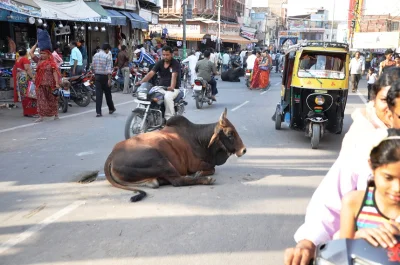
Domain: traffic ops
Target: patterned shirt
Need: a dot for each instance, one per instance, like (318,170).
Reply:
(102,63)
(145,57)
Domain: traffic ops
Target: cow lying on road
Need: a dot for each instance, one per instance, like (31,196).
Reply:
(181,154)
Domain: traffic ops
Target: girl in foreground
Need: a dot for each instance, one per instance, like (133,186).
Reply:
(372,214)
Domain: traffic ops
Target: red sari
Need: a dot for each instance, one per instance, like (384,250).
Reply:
(255,79)
(45,84)
(20,78)
(264,75)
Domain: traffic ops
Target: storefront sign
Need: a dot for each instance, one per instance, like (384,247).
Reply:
(119,4)
(106,3)
(247,35)
(146,14)
(20,8)
(12,17)
(226,29)
(376,40)
(288,34)
(257,16)
(130,4)
(175,28)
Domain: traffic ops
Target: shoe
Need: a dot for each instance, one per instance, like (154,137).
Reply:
(213,98)
(98,115)
(112,111)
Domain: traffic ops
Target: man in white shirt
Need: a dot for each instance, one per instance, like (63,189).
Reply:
(192,60)
(357,68)
(242,54)
(251,60)
(225,61)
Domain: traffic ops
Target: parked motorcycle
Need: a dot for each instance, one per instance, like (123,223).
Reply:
(117,81)
(88,82)
(79,93)
(202,92)
(356,252)
(149,113)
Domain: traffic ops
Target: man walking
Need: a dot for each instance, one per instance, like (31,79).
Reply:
(75,61)
(102,67)
(123,66)
(357,68)
(83,50)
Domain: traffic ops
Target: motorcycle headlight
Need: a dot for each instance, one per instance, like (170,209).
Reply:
(319,100)
(142,95)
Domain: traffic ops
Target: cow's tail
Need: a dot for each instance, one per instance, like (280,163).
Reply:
(120,184)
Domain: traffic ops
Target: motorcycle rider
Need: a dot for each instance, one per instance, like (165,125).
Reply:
(169,71)
(204,69)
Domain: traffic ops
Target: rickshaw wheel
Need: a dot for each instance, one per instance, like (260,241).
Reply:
(316,135)
(341,127)
(278,120)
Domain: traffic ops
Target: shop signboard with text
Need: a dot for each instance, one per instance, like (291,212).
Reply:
(175,28)
(20,8)
(106,2)
(226,29)
(130,4)
(145,14)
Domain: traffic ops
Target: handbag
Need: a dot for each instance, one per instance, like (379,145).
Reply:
(264,68)
(31,90)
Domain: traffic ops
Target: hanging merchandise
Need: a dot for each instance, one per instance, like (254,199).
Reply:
(179,43)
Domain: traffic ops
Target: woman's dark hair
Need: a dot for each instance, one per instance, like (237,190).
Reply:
(167,49)
(386,79)
(371,69)
(393,94)
(259,52)
(387,152)
(22,51)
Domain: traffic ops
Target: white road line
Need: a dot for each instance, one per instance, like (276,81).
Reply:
(85,153)
(262,93)
(63,117)
(241,105)
(36,228)
(277,84)
(362,97)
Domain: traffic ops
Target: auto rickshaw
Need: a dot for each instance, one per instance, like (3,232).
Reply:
(314,91)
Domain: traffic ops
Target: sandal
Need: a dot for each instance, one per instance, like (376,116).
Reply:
(38,120)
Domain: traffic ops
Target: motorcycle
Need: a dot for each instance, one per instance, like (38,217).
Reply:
(248,77)
(63,98)
(117,81)
(356,252)
(150,110)
(137,74)
(79,93)
(202,92)
(88,82)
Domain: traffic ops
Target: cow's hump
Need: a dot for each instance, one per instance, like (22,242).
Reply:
(178,121)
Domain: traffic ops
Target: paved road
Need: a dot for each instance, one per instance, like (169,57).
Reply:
(248,216)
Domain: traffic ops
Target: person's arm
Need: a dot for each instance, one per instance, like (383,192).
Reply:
(150,75)
(196,69)
(56,78)
(173,81)
(186,60)
(32,51)
(28,69)
(350,205)
(380,68)
(214,69)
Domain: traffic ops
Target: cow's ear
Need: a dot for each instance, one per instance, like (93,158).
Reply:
(214,137)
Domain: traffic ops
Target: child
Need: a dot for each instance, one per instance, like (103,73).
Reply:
(371,214)
(371,79)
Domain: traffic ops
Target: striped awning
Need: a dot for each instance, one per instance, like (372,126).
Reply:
(189,37)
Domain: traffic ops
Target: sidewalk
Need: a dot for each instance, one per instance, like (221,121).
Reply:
(10,118)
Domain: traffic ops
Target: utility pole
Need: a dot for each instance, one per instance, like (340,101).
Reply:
(184,29)
(219,27)
(333,18)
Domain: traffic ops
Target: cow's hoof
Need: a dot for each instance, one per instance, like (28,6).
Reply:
(210,181)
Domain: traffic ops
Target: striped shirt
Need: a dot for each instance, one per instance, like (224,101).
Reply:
(102,63)
(145,57)
(369,215)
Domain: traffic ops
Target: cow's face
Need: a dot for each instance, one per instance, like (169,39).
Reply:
(228,137)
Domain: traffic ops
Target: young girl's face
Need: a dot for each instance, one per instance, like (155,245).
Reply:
(370,72)
(387,182)
(381,106)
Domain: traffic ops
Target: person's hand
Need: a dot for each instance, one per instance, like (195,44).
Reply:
(382,236)
(109,82)
(139,83)
(170,88)
(301,254)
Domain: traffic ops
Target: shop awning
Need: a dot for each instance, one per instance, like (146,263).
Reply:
(116,17)
(105,18)
(137,21)
(76,10)
(234,39)
(189,37)
(25,7)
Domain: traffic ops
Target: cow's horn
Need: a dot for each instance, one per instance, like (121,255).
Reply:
(223,115)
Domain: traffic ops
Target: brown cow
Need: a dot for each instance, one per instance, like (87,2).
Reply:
(181,154)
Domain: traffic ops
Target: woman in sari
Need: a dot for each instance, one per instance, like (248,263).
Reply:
(255,78)
(21,72)
(265,68)
(48,78)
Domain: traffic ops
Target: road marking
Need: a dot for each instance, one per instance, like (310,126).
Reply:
(85,153)
(36,228)
(277,84)
(63,117)
(262,93)
(362,97)
(241,105)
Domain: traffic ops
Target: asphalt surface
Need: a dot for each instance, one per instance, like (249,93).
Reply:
(248,216)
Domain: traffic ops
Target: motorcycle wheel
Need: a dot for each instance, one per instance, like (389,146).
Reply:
(84,100)
(63,104)
(316,135)
(199,101)
(129,132)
